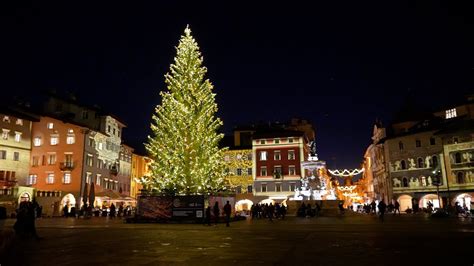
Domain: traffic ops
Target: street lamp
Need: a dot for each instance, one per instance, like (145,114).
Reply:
(437,183)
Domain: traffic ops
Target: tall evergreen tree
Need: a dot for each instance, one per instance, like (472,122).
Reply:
(184,145)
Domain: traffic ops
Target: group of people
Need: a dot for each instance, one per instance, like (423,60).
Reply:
(306,210)
(269,211)
(216,211)
(104,211)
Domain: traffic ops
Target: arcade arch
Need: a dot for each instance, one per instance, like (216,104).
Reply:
(405,202)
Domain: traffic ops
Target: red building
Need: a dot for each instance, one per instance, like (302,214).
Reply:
(277,156)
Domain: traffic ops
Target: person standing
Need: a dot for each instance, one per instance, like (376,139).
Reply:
(227,211)
(382,206)
(216,212)
(397,208)
(208,215)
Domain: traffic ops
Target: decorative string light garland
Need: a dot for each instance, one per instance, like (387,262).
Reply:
(346,172)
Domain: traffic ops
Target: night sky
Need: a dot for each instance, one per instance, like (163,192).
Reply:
(339,65)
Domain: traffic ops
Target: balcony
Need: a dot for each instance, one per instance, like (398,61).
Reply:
(66,166)
(114,170)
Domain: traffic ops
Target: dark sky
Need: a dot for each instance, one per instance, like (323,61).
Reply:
(339,65)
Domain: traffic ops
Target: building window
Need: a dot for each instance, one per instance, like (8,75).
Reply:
(249,189)
(420,163)
(51,158)
(263,156)
(3,155)
(277,141)
(19,122)
(50,125)
(451,113)
(263,171)
(277,172)
(5,133)
(108,129)
(432,141)
(67,178)
(89,160)
(35,161)
(37,141)
(403,164)
(88,177)
(239,171)
(291,155)
(290,140)
(249,171)
(31,179)
(91,142)
(460,178)
(292,186)
(50,178)
(278,187)
(98,179)
(457,157)
(17,136)
(85,114)
(100,145)
(70,139)
(264,188)
(113,131)
(400,146)
(292,170)
(435,161)
(54,140)
(262,141)
(6,119)
(277,156)
(2,175)
(418,143)
(405,182)
(16,156)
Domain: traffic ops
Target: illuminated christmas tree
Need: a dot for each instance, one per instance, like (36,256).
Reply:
(184,145)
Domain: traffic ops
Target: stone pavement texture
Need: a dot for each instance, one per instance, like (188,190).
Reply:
(356,240)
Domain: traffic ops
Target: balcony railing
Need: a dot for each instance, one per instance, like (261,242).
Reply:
(113,171)
(66,166)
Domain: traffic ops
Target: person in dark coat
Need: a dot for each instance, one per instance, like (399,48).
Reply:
(208,215)
(382,207)
(112,210)
(216,212)
(227,211)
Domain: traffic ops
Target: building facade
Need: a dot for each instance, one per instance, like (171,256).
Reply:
(277,158)
(430,160)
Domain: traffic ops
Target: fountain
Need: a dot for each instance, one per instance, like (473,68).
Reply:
(317,185)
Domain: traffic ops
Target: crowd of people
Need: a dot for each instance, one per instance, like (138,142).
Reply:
(104,211)
(270,211)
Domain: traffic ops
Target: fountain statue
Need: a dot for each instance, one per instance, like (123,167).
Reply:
(316,184)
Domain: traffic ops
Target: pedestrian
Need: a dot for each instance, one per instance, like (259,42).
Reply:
(382,206)
(208,215)
(112,210)
(227,211)
(341,207)
(216,212)
(397,208)
(65,211)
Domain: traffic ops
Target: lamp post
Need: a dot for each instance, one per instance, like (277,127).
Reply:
(437,183)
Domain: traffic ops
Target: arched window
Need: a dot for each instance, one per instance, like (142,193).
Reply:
(460,178)
(457,157)
(435,161)
(420,163)
(403,164)
(405,182)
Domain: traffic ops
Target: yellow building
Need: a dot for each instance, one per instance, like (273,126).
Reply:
(140,167)
(239,170)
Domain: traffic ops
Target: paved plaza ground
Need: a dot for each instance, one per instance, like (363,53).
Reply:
(357,240)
